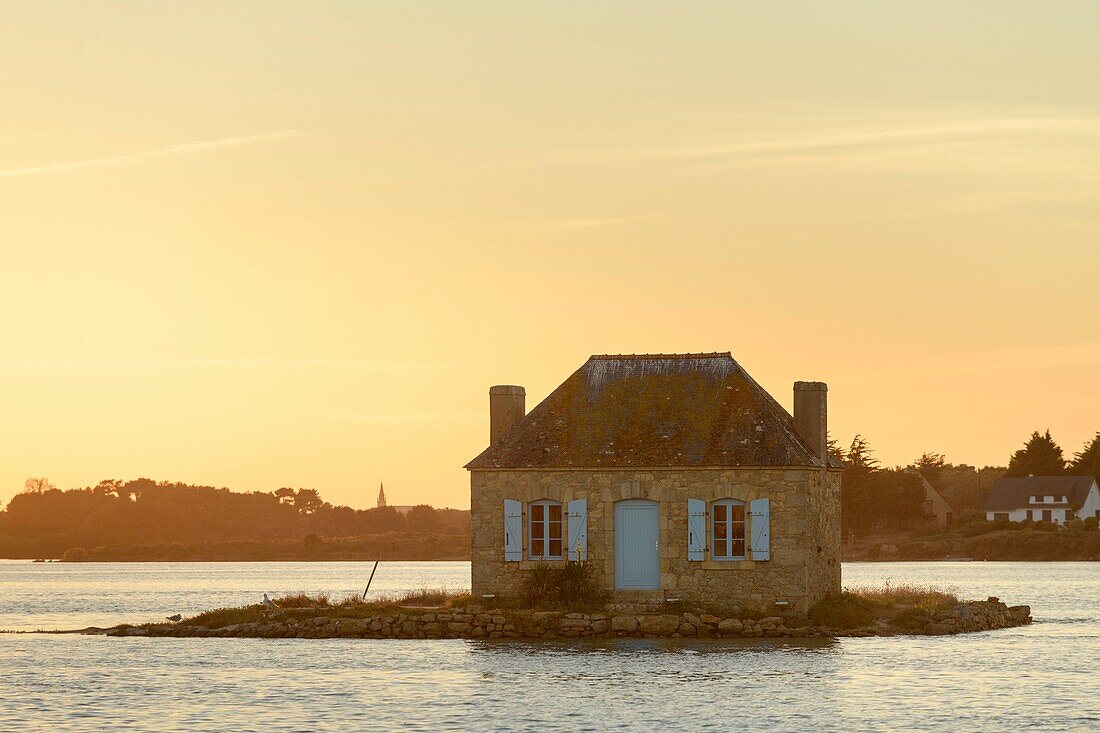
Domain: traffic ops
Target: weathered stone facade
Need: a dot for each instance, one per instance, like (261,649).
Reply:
(805,531)
(671,434)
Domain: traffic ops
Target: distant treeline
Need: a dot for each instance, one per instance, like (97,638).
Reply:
(876,499)
(44,521)
(388,546)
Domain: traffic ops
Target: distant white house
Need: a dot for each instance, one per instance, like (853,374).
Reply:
(1055,499)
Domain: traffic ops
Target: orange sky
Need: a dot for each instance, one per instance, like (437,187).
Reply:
(259,246)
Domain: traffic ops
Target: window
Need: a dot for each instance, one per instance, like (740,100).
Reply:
(1000,516)
(727,535)
(544,530)
(1048,515)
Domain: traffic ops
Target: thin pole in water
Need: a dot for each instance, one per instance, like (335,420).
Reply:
(370,578)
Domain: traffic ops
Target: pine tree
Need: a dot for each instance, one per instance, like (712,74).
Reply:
(1087,462)
(931,466)
(1040,456)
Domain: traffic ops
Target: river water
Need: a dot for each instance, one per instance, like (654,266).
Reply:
(1041,677)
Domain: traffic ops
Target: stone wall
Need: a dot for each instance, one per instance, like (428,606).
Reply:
(823,502)
(477,622)
(805,531)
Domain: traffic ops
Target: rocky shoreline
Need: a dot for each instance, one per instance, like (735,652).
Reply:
(479,622)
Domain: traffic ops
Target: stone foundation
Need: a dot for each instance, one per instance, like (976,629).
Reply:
(476,622)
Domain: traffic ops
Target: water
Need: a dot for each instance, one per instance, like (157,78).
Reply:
(1037,677)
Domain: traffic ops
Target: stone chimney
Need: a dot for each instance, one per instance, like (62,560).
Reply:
(811,416)
(506,408)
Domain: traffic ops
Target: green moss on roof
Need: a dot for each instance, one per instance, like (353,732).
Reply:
(653,410)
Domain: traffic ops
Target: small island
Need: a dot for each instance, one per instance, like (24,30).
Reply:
(883,611)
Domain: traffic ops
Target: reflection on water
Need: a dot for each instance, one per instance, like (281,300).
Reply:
(1040,677)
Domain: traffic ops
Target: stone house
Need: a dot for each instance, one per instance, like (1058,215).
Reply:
(937,511)
(676,475)
(1055,499)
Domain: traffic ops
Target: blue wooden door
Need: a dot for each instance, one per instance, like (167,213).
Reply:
(637,560)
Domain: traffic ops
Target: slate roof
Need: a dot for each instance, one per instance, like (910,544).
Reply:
(653,410)
(1007,494)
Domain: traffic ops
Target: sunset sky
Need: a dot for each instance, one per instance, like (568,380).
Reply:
(256,244)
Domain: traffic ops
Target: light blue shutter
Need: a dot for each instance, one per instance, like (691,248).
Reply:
(760,536)
(513,530)
(578,529)
(697,529)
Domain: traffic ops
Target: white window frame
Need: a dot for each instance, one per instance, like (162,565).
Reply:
(543,507)
(730,524)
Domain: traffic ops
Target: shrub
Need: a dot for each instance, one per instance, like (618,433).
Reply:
(1045,526)
(1092,523)
(973,529)
(569,586)
(842,611)
(911,618)
(971,516)
(302,600)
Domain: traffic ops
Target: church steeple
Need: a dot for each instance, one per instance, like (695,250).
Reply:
(381,495)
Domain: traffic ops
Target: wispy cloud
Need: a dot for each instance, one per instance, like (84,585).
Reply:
(124,364)
(177,150)
(838,142)
(568,224)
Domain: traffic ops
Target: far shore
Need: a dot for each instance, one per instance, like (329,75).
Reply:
(971,541)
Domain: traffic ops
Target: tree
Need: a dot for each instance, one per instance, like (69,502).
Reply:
(37,486)
(858,496)
(859,454)
(1040,456)
(931,466)
(1087,462)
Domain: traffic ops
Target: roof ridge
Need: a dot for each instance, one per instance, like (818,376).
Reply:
(699,355)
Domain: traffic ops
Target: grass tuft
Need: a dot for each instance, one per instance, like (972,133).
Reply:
(924,597)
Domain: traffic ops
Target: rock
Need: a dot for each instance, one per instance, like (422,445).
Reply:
(409,628)
(627,624)
(1020,614)
(659,625)
(601,627)
(686,629)
(710,620)
(546,618)
(692,619)
(730,626)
